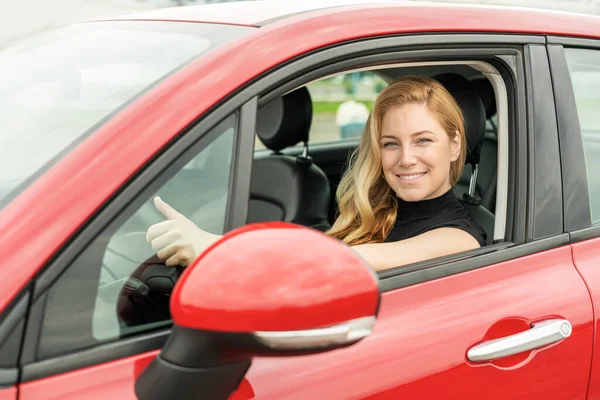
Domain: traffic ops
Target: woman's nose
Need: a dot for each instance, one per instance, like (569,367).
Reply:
(407,157)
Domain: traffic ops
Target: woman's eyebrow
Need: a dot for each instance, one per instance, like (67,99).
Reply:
(422,132)
(412,134)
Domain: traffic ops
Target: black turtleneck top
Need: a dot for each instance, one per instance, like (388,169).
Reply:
(445,211)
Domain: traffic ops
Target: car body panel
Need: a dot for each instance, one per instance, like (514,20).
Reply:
(409,16)
(110,156)
(419,344)
(418,347)
(585,256)
(9,393)
(114,380)
(245,13)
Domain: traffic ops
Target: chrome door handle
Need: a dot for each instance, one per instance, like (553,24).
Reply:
(541,334)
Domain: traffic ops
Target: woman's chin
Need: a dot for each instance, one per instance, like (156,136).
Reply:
(410,195)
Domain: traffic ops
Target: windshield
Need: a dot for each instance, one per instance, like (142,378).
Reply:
(59,87)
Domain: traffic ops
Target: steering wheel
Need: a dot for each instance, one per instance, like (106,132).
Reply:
(144,296)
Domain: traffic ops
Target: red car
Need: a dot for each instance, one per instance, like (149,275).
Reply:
(225,111)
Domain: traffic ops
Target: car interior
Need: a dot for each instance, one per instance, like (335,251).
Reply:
(294,180)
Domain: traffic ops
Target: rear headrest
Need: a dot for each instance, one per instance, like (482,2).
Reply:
(486,93)
(285,121)
(469,102)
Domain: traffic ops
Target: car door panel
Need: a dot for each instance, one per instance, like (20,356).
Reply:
(9,393)
(419,344)
(418,347)
(114,379)
(576,79)
(585,256)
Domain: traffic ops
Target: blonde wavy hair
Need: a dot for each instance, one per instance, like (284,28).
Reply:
(367,205)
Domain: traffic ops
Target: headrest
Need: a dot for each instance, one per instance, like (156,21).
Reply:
(486,93)
(469,102)
(285,121)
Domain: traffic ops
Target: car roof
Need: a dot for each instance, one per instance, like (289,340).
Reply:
(263,12)
(251,13)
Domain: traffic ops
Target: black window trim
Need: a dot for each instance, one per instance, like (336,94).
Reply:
(12,328)
(577,214)
(300,67)
(546,204)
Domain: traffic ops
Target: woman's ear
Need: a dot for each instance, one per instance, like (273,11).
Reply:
(455,144)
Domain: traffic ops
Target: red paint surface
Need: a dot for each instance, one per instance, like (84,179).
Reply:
(419,344)
(586,256)
(407,15)
(9,393)
(112,380)
(51,210)
(274,277)
(418,347)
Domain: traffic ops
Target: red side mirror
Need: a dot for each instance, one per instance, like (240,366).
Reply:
(269,288)
(274,277)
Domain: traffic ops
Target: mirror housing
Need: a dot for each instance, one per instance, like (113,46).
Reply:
(264,289)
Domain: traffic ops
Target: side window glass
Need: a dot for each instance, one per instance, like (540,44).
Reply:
(341,106)
(117,286)
(584,68)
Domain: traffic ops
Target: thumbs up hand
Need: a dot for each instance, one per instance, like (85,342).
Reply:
(177,240)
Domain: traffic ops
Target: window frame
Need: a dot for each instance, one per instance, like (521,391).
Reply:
(162,167)
(273,82)
(577,213)
(522,191)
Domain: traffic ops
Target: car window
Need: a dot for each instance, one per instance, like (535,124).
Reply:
(47,107)
(584,68)
(341,106)
(117,287)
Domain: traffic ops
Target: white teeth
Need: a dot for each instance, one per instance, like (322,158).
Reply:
(411,177)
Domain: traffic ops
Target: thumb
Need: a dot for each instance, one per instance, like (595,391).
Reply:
(166,210)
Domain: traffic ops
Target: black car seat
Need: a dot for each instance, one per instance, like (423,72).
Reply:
(486,181)
(286,188)
(472,107)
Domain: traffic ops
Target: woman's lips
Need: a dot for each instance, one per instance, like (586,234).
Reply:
(410,177)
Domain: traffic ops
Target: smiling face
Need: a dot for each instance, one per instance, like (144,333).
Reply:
(416,152)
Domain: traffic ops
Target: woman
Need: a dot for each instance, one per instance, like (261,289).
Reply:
(396,201)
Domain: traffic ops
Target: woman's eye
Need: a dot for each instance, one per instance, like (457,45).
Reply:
(389,144)
(423,141)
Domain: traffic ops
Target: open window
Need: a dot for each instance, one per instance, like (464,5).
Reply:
(296,171)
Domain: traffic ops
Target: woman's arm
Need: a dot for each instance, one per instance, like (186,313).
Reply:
(178,241)
(436,243)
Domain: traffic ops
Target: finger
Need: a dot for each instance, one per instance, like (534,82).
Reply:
(174,261)
(183,256)
(178,255)
(167,252)
(166,240)
(166,210)
(159,229)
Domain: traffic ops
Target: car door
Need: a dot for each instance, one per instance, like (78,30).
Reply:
(94,318)
(576,76)
(521,298)
(49,114)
